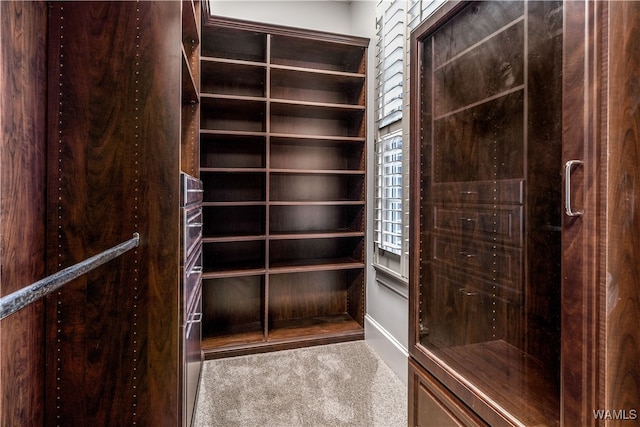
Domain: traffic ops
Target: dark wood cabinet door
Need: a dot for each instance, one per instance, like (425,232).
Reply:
(549,333)
(487,206)
(431,404)
(600,280)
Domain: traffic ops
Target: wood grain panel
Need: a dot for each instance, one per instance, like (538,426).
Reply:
(190,139)
(494,67)
(515,380)
(308,52)
(23,29)
(432,404)
(233,304)
(622,388)
(481,143)
(469,29)
(114,166)
(303,295)
(579,376)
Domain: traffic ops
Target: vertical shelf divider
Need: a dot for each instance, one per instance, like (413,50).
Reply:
(267,92)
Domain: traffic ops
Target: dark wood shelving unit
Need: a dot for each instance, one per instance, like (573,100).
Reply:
(190,311)
(190,118)
(283,165)
(121,129)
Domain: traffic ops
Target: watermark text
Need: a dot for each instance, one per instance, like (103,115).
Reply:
(612,414)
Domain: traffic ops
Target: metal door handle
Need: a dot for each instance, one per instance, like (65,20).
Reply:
(567,187)
(195,270)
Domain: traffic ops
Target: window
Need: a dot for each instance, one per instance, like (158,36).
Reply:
(395,19)
(390,51)
(420,9)
(389,232)
(388,203)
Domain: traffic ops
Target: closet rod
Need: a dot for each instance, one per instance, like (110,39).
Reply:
(17,300)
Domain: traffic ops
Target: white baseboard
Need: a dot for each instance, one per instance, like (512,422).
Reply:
(387,347)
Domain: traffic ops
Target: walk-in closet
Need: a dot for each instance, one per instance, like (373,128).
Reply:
(320,212)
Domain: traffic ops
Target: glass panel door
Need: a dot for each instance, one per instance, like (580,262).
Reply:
(490,200)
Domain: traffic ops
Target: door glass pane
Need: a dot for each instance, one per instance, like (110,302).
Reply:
(490,203)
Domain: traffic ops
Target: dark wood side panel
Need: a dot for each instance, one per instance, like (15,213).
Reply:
(23,31)
(622,388)
(431,404)
(574,292)
(113,169)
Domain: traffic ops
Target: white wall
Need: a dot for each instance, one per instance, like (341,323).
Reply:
(386,322)
(332,16)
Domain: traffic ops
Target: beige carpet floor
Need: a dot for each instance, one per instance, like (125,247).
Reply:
(343,384)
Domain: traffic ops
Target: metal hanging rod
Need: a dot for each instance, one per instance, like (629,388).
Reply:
(17,300)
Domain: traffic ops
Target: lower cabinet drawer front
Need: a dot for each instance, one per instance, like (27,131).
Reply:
(471,311)
(484,260)
(192,277)
(431,404)
(497,223)
(192,229)
(192,360)
(507,191)
(191,189)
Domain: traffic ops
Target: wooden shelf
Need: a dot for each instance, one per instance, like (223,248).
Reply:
(316,110)
(233,151)
(234,186)
(237,237)
(314,328)
(318,203)
(305,52)
(316,172)
(247,272)
(283,164)
(227,132)
(319,265)
(313,187)
(233,78)
(315,220)
(215,60)
(189,86)
(301,332)
(317,138)
(232,170)
(228,113)
(519,384)
(329,74)
(235,203)
(309,86)
(316,235)
(234,222)
(222,101)
(234,44)
(247,334)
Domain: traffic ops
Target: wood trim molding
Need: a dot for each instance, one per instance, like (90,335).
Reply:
(283,30)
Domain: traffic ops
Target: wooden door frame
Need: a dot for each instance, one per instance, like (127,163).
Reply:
(601,289)
(580,114)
